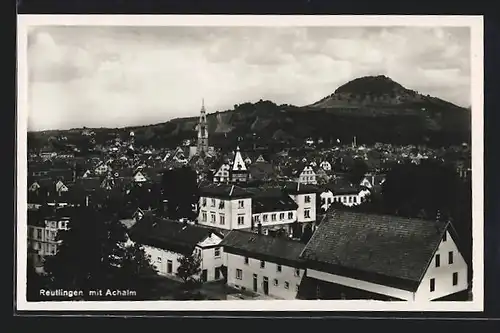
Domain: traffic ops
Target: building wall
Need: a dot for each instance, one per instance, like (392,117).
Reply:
(362,285)
(209,260)
(443,275)
(303,206)
(44,239)
(287,274)
(352,199)
(160,258)
(278,222)
(230,212)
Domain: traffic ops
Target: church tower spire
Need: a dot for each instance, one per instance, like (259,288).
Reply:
(202,146)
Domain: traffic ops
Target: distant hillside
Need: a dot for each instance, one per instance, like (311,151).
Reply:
(374,109)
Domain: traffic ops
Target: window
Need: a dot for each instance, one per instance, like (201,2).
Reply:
(217,252)
(264,218)
(246,260)
(262,264)
(445,236)
(213,202)
(290,215)
(307,198)
(159,259)
(350,199)
(287,285)
(222,219)
(355,199)
(241,220)
(273,217)
(212,218)
(432,285)
(204,202)
(282,216)
(221,204)
(307,213)
(344,199)
(239,274)
(297,272)
(450,257)
(438,260)
(455,279)
(241,204)
(278,268)
(169,266)
(204,216)
(275,282)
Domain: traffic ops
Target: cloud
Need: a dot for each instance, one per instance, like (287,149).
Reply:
(119,76)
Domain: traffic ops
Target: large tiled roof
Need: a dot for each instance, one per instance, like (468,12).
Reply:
(168,235)
(379,245)
(342,186)
(299,188)
(273,204)
(262,246)
(224,191)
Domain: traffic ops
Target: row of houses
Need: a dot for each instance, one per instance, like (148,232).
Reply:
(351,255)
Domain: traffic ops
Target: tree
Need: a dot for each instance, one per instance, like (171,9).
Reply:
(296,230)
(34,281)
(180,189)
(307,234)
(189,268)
(357,171)
(95,254)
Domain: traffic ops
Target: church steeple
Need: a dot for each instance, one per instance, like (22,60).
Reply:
(202,146)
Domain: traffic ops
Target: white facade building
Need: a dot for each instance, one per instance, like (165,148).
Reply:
(231,207)
(167,241)
(307,176)
(263,264)
(225,207)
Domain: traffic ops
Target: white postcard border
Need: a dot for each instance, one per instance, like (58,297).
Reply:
(474,22)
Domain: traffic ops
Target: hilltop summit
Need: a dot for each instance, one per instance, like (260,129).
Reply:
(376,85)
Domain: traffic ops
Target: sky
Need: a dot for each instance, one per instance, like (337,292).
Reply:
(122,76)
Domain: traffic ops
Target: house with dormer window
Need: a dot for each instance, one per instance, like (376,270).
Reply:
(165,241)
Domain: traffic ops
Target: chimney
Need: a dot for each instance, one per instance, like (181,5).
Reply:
(259,228)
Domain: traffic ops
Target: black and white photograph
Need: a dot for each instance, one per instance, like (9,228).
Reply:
(323,163)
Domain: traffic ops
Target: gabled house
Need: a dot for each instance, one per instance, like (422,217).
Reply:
(166,241)
(239,172)
(222,175)
(139,176)
(266,265)
(61,187)
(325,165)
(260,159)
(308,176)
(369,256)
